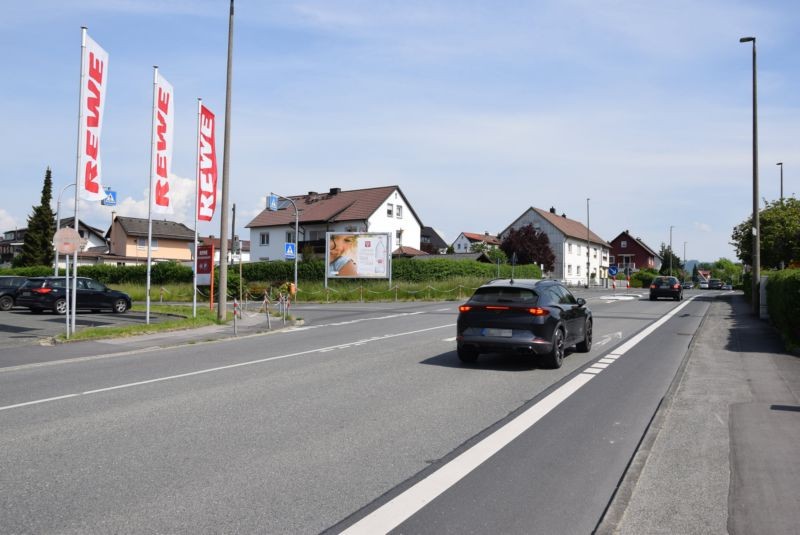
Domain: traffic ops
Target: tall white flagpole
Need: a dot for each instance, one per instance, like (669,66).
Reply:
(150,193)
(196,207)
(74,296)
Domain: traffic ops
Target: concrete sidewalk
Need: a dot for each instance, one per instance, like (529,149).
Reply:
(723,452)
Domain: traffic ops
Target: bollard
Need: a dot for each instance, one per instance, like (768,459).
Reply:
(235,315)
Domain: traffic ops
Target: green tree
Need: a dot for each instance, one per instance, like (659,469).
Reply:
(779,223)
(37,248)
(497,255)
(677,266)
(531,247)
(695,273)
(726,270)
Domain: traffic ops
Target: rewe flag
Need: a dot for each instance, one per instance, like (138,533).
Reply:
(207,166)
(163,120)
(94,78)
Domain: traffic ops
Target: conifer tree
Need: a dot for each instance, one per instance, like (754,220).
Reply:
(37,248)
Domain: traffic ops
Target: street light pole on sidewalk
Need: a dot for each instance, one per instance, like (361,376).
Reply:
(756,226)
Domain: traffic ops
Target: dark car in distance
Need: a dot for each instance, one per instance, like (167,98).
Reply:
(715,284)
(531,317)
(666,287)
(49,293)
(8,290)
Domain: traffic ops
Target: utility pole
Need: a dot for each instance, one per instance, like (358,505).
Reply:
(222,305)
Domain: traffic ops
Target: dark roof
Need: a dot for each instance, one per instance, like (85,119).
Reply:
(568,227)
(637,240)
(334,206)
(70,222)
(436,239)
(408,251)
(480,257)
(136,226)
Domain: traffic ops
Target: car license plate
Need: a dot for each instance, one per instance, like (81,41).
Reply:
(26,293)
(502,333)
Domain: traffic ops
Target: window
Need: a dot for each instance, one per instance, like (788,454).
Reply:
(611,260)
(569,248)
(595,252)
(578,270)
(623,244)
(399,212)
(389,210)
(316,235)
(290,236)
(141,243)
(398,236)
(569,269)
(264,238)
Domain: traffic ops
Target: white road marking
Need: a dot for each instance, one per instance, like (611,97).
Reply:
(446,310)
(226,367)
(607,361)
(397,510)
(452,339)
(599,365)
(609,337)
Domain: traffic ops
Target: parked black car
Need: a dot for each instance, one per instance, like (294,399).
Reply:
(666,287)
(8,290)
(523,316)
(49,293)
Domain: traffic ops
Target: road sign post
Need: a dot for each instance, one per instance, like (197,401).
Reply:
(289,252)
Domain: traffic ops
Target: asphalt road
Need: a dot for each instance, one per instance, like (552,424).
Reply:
(318,427)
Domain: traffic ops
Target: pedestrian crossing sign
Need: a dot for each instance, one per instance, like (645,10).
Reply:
(288,251)
(110,199)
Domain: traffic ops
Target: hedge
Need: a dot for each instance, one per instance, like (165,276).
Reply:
(783,303)
(403,269)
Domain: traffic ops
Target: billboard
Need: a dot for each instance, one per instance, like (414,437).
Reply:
(362,255)
(205,265)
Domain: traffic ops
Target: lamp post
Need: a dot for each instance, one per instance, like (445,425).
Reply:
(296,229)
(670,249)
(756,226)
(58,222)
(684,257)
(781,166)
(587,243)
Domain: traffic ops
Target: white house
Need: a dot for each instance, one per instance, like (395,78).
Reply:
(464,242)
(569,240)
(383,209)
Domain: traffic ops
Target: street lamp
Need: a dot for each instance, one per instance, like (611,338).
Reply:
(756,225)
(781,165)
(58,223)
(296,228)
(587,242)
(670,249)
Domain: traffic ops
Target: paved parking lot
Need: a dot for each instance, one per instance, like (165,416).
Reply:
(19,327)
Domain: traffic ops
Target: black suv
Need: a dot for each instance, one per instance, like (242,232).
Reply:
(535,317)
(8,290)
(49,293)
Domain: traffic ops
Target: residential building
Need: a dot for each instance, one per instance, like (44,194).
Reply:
(431,241)
(211,240)
(382,209)
(569,241)
(127,241)
(11,245)
(631,254)
(478,257)
(466,240)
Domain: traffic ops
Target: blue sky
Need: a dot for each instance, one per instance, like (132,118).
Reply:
(476,109)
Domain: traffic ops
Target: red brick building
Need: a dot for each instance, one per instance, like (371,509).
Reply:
(628,251)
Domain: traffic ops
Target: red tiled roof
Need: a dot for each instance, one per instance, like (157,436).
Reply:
(407,251)
(353,205)
(488,238)
(570,227)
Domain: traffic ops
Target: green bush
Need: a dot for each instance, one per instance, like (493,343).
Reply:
(783,302)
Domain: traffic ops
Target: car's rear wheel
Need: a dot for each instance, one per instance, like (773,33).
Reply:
(555,358)
(467,354)
(60,306)
(6,302)
(586,345)
(120,306)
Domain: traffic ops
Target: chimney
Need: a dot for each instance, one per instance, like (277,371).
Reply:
(564,215)
(552,209)
(312,193)
(335,191)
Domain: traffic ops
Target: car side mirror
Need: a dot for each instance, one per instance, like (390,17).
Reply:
(581,301)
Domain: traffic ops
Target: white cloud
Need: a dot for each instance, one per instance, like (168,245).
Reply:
(7,221)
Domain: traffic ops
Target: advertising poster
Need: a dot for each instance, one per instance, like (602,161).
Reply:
(358,255)
(205,265)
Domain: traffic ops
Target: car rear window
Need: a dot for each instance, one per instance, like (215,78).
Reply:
(505,295)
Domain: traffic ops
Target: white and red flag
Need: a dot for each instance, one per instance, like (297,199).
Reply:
(207,166)
(94,78)
(163,133)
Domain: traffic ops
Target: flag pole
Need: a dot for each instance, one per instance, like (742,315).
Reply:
(150,194)
(74,296)
(196,207)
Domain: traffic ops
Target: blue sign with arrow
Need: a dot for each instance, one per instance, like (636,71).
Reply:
(612,270)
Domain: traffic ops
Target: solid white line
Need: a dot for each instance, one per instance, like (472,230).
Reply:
(397,510)
(624,348)
(226,367)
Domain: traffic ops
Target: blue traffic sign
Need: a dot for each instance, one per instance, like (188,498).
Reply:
(613,269)
(288,251)
(110,199)
(272,203)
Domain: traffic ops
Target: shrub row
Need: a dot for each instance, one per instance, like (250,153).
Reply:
(403,269)
(783,302)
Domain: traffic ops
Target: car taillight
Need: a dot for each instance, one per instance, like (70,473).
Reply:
(537,311)
(652,285)
(676,286)
(464,308)
(42,291)
(497,308)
